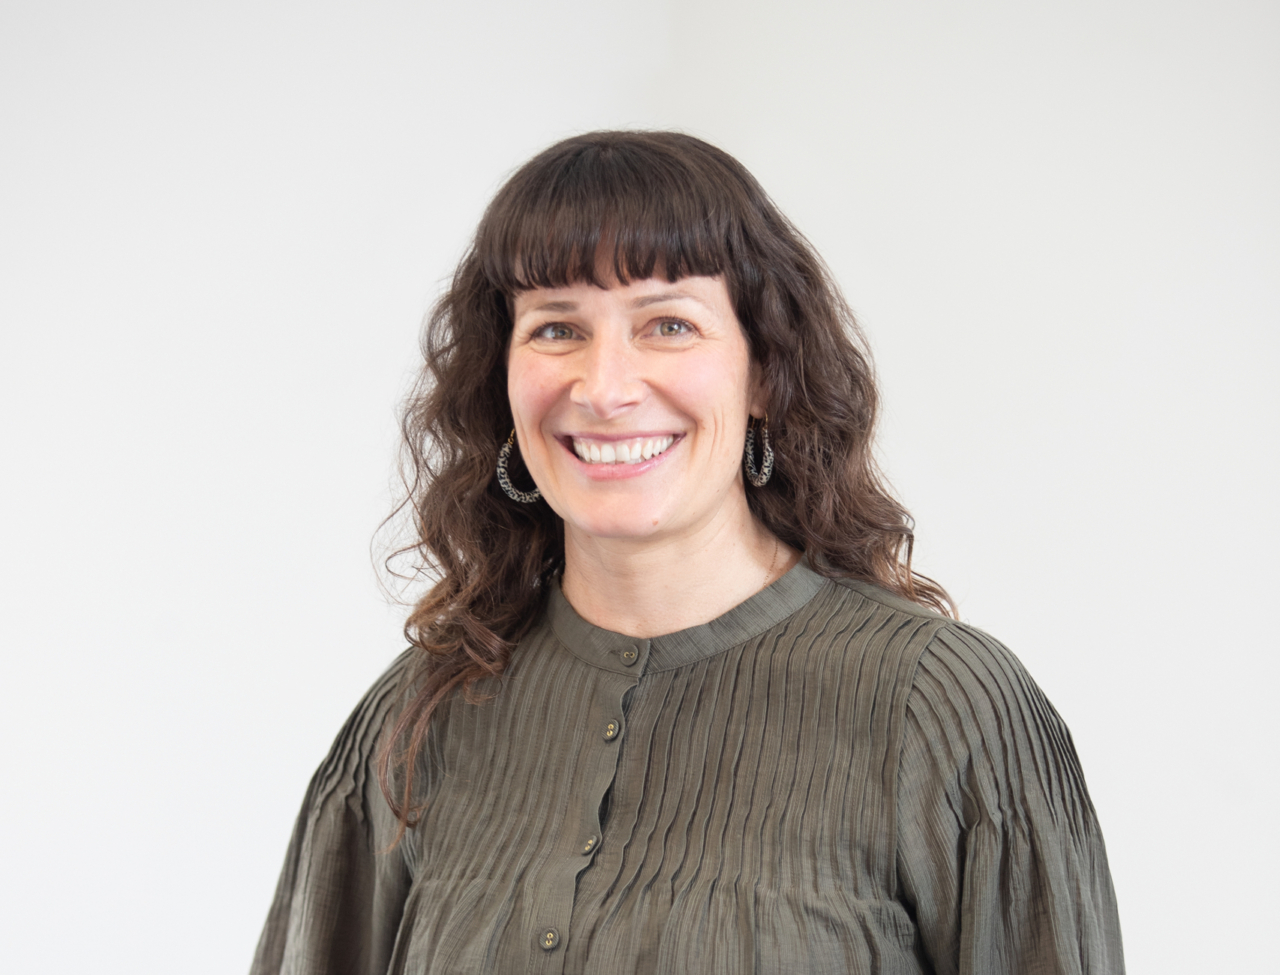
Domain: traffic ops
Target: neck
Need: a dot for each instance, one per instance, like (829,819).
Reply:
(645,588)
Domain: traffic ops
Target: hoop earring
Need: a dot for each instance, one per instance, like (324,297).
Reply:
(758,477)
(504,480)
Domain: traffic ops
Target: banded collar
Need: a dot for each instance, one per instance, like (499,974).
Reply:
(606,649)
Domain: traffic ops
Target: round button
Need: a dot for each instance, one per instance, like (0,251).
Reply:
(590,845)
(611,731)
(630,655)
(549,939)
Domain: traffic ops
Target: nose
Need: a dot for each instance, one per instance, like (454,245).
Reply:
(610,382)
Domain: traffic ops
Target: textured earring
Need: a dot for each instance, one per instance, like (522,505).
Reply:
(758,477)
(504,480)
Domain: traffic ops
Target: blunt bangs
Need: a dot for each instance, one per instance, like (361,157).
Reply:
(614,206)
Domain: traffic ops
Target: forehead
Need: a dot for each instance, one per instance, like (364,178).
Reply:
(708,292)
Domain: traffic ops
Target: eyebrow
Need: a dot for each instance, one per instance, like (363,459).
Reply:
(642,302)
(662,296)
(556,306)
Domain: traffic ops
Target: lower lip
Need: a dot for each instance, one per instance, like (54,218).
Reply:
(618,472)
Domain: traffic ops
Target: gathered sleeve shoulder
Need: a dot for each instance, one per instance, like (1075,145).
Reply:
(341,893)
(999,853)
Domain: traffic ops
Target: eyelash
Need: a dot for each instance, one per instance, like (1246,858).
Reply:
(541,332)
(675,321)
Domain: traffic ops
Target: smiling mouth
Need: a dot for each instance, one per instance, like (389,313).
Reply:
(620,451)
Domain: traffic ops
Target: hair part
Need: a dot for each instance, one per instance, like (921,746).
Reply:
(624,206)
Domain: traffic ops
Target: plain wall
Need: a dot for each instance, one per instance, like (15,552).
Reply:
(221,224)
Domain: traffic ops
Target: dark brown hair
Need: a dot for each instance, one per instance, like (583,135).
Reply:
(636,205)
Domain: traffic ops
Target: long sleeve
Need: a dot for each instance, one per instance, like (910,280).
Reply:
(999,853)
(341,893)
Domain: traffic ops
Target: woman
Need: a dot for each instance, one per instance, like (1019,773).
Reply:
(677,702)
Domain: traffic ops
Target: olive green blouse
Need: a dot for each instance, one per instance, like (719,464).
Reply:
(826,779)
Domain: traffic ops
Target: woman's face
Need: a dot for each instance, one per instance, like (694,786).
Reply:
(631,405)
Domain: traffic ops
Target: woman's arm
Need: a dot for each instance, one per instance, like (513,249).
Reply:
(999,852)
(341,893)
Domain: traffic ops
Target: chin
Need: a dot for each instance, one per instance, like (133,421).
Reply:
(618,524)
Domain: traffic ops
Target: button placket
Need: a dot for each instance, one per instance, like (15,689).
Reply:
(605,708)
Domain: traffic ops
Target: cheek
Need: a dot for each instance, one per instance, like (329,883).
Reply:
(531,388)
(715,391)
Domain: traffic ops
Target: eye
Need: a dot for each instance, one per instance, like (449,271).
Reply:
(673,328)
(555,331)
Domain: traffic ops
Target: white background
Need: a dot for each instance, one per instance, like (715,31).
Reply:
(221,223)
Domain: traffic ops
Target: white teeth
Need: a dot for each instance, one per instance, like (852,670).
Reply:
(622,452)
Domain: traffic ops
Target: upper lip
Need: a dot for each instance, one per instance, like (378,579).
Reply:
(616,437)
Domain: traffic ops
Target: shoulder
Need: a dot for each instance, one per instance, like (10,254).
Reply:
(872,594)
(975,716)
(383,698)
(953,653)
(878,639)
(894,631)
(964,695)
(977,680)
(348,769)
